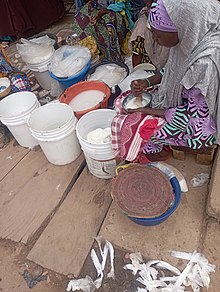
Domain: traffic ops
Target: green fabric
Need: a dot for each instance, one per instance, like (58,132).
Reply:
(109,32)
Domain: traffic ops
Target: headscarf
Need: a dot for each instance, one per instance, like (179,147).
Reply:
(159,18)
(157,54)
(195,61)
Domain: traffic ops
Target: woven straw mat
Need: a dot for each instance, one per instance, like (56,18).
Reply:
(142,191)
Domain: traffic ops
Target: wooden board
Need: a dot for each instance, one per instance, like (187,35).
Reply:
(67,240)
(10,156)
(26,169)
(37,199)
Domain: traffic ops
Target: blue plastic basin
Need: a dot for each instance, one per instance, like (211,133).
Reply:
(67,82)
(158,220)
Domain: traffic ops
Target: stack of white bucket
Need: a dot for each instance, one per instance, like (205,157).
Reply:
(41,73)
(54,127)
(15,109)
(37,54)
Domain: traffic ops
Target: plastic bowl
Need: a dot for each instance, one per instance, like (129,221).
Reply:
(67,82)
(5,87)
(146,96)
(70,93)
(158,220)
(115,93)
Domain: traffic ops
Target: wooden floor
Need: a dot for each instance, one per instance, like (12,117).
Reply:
(60,208)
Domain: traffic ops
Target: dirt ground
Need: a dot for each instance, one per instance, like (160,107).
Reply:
(13,263)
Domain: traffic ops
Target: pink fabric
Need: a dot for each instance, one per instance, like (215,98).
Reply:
(130,132)
(159,18)
(148,128)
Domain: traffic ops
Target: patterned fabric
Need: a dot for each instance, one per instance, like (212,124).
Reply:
(139,49)
(188,125)
(109,31)
(19,80)
(159,18)
(131,132)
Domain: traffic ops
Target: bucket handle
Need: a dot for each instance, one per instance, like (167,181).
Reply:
(119,168)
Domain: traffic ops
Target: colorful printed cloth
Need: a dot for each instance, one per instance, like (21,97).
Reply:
(109,31)
(131,132)
(159,18)
(188,125)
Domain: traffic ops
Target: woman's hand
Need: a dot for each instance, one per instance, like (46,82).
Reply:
(139,86)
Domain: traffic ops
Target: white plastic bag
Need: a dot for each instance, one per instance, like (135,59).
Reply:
(111,74)
(67,61)
(36,50)
(199,179)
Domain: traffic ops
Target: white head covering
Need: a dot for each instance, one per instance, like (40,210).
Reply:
(195,61)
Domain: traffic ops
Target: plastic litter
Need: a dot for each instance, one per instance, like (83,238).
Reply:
(87,284)
(199,180)
(37,50)
(110,74)
(138,74)
(67,61)
(171,171)
(32,281)
(196,273)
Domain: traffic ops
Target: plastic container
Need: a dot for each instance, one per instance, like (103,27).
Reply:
(15,110)
(100,158)
(6,84)
(50,35)
(42,74)
(74,90)
(53,126)
(115,91)
(43,78)
(67,82)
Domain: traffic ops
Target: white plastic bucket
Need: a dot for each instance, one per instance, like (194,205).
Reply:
(41,73)
(54,126)
(100,158)
(15,110)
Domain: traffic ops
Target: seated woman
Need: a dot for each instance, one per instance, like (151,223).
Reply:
(144,49)
(107,26)
(185,108)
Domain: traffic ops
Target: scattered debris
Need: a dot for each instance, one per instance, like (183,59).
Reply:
(87,284)
(199,179)
(32,281)
(195,274)
(58,186)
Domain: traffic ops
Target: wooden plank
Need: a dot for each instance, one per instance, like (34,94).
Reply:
(67,240)
(16,179)
(10,157)
(36,201)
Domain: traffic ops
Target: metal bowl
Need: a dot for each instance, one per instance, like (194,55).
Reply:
(146,99)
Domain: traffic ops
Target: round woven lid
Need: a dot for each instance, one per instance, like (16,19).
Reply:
(142,191)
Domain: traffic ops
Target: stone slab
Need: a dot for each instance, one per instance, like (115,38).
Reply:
(213,203)
(212,252)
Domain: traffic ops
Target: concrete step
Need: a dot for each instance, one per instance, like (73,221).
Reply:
(213,204)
